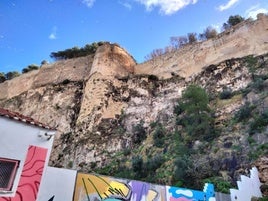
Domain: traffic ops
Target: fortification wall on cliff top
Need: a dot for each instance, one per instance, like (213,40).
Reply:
(247,38)
(109,60)
(71,69)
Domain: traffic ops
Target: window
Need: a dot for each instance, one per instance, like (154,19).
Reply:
(8,169)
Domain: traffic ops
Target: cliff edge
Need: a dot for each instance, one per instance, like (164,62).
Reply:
(246,38)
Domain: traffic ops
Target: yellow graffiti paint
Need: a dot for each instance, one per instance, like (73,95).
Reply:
(121,187)
(89,185)
(151,195)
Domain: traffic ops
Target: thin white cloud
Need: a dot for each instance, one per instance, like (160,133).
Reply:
(126,5)
(88,3)
(53,34)
(254,11)
(167,7)
(227,5)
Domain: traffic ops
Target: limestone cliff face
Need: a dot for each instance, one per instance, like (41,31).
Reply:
(74,96)
(95,101)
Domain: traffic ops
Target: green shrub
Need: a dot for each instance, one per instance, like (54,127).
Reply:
(76,51)
(2,77)
(158,135)
(251,62)
(126,151)
(263,198)
(66,81)
(258,84)
(178,110)
(124,172)
(261,150)
(153,78)
(251,140)
(137,164)
(70,164)
(182,164)
(244,113)
(12,74)
(93,165)
(197,117)
(259,123)
(30,68)
(139,133)
(226,94)
(220,184)
(154,163)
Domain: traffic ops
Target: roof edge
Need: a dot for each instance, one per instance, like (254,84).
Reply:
(22,118)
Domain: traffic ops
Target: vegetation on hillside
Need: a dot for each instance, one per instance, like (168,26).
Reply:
(193,146)
(8,76)
(30,68)
(76,51)
(232,21)
(60,55)
(12,74)
(194,114)
(177,42)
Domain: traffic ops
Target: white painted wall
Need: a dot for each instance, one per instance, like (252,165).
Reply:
(15,138)
(59,183)
(247,187)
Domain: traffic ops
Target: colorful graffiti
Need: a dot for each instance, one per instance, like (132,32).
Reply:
(146,191)
(101,188)
(31,175)
(182,194)
(94,187)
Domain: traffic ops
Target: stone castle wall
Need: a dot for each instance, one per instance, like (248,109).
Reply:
(247,38)
(109,59)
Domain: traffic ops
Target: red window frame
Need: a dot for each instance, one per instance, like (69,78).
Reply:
(9,175)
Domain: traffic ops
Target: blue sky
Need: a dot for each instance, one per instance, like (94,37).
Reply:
(31,29)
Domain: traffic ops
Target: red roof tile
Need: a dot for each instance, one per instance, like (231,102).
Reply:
(22,118)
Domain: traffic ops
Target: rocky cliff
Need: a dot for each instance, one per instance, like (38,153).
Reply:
(107,108)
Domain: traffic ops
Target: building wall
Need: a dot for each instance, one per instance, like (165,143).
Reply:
(18,140)
(95,187)
(57,185)
(248,187)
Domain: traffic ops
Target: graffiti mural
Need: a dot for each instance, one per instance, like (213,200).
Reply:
(95,187)
(31,175)
(182,194)
(102,188)
(146,191)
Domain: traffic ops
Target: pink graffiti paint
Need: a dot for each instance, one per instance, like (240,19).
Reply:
(180,199)
(31,175)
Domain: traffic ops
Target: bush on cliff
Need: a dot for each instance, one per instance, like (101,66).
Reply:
(76,51)
(195,114)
